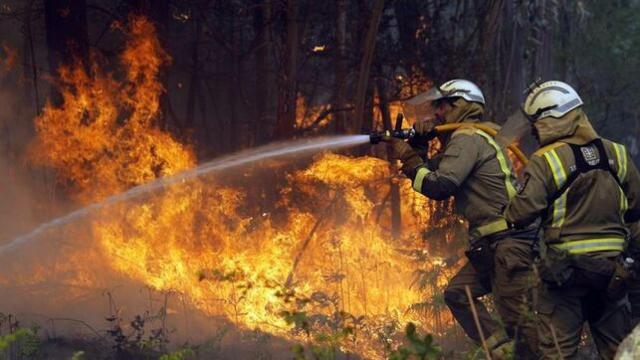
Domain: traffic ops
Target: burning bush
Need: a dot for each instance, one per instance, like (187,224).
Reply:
(318,257)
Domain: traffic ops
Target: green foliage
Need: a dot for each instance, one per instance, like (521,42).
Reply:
(417,346)
(601,44)
(327,332)
(212,346)
(26,341)
(78,355)
(180,354)
(139,340)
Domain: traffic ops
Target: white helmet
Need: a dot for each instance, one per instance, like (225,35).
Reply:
(551,98)
(451,89)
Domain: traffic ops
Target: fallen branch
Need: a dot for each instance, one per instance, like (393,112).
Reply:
(79,322)
(555,341)
(477,321)
(323,115)
(308,240)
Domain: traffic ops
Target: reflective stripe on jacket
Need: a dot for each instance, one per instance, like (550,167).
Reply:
(475,169)
(586,215)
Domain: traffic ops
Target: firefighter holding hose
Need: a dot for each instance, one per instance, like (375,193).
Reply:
(476,171)
(586,189)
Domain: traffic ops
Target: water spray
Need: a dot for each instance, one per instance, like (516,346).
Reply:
(243,158)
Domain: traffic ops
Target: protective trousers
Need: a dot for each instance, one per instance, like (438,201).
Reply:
(511,281)
(634,300)
(563,309)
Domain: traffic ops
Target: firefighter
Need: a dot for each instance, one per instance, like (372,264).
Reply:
(476,171)
(585,188)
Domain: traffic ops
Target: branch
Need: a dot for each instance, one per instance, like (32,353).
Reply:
(79,322)
(323,115)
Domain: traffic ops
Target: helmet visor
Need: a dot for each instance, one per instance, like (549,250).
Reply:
(419,108)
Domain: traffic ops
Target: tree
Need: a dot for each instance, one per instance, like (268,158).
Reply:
(288,82)
(67,35)
(365,66)
(264,123)
(341,64)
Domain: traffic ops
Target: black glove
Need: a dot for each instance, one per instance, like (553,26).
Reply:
(425,129)
(424,132)
(405,153)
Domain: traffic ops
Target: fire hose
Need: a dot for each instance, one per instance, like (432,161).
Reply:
(377,137)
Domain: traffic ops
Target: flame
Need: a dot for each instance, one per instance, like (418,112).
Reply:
(324,241)
(102,139)
(10,58)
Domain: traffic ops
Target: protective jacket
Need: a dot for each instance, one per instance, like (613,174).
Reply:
(475,169)
(584,187)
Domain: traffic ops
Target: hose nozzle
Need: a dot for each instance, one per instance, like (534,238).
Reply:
(379,136)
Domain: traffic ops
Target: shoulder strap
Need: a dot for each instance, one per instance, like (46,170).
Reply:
(621,157)
(588,157)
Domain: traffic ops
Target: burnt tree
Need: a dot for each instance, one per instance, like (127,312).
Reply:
(67,36)
(287,80)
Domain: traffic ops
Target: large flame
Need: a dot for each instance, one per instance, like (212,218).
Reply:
(324,238)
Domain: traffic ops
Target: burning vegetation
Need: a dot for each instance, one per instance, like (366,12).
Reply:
(291,251)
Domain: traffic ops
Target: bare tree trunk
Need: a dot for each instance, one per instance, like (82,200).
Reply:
(286,114)
(543,33)
(565,38)
(514,82)
(507,55)
(264,80)
(228,124)
(365,66)
(67,36)
(396,215)
(30,70)
(340,81)
(195,78)
(160,14)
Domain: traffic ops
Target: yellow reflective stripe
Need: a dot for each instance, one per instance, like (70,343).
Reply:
(621,156)
(624,204)
(591,245)
(504,165)
(491,228)
(559,210)
(559,175)
(560,178)
(417,181)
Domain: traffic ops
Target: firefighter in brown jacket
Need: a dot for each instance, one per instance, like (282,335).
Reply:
(475,170)
(585,188)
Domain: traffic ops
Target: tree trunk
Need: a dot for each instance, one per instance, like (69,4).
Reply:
(195,78)
(543,33)
(286,114)
(512,90)
(396,215)
(341,64)
(264,75)
(30,70)
(67,36)
(509,76)
(365,66)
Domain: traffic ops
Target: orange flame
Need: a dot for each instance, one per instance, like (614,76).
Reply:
(10,57)
(325,239)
